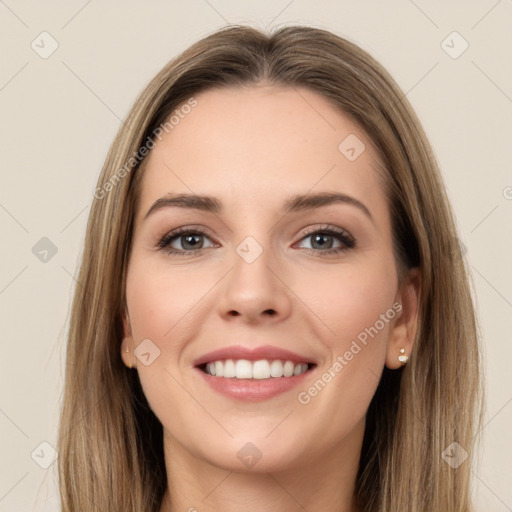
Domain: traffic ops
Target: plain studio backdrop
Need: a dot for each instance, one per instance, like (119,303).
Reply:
(69,73)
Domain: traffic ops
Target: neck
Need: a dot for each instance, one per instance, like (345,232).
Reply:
(325,482)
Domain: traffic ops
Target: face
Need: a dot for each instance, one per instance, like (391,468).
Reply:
(256,276)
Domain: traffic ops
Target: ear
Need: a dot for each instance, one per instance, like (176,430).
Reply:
(404,329)
(128,344)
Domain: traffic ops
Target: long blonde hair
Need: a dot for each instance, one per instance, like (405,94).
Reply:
(110,442)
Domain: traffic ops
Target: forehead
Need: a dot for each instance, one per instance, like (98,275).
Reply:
(245,144)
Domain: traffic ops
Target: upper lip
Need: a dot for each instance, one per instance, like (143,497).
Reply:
(252,354)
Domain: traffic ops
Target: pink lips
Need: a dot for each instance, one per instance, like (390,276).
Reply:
(253,390)
(252,354)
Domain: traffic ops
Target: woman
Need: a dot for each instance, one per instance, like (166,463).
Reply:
(273,312)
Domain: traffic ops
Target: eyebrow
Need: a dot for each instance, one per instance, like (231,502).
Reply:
(293,204)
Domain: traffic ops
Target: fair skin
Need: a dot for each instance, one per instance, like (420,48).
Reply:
(253,149)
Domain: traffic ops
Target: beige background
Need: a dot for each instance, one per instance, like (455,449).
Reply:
(59,116)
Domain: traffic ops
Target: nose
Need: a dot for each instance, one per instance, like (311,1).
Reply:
(255,292)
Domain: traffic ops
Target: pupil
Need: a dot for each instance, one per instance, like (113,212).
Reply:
(188,238)
(318,238)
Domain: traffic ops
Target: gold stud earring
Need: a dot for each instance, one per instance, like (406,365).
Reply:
(402,357)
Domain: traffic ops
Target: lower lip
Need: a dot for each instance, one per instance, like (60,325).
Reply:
(253,390)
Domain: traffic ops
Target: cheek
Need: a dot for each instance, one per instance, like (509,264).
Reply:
(357,306)
(350,300)
(161,310)
(161,303)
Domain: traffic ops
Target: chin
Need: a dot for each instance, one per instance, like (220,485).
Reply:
(259,453)
(254,459)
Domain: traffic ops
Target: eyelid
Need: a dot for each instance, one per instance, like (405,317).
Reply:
(327,227)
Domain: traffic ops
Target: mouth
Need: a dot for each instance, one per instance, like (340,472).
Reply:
(258,370)
(253,374)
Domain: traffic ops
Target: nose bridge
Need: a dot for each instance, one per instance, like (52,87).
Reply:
(252,273)
(253,287)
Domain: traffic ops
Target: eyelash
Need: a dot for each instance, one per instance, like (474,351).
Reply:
(343,236)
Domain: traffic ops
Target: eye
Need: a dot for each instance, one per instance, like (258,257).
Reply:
(190,240)
(323,241)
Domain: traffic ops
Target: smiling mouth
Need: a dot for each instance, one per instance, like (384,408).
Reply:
(258,370)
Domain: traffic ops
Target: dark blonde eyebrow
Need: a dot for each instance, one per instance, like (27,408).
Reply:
(295,203)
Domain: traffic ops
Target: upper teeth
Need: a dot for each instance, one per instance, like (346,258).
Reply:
(262,369)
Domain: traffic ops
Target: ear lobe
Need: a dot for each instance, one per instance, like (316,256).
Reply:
(405,327)
(127,346)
